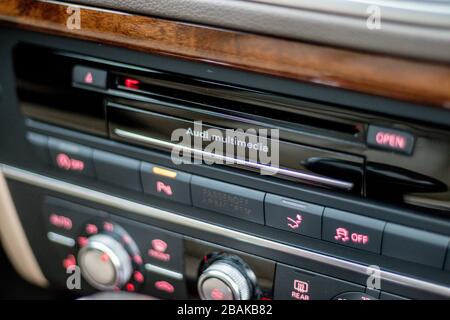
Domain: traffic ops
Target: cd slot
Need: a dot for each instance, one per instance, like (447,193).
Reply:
(251,151)
(236,101)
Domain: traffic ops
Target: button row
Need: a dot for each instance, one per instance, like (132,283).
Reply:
(307,219)
(298,284)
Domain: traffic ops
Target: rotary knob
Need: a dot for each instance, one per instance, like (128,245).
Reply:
(105,263)
(226,278)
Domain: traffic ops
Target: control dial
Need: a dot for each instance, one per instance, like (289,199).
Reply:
(226,277)
(109,258)
(105,263)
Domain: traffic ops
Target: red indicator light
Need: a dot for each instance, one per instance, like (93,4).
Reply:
(130,287)
(164,286)
(89,78)
(138,277)
(132,83)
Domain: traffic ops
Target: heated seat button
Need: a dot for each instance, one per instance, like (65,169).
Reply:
(352,230)
(390,139)
(88,76)
(166,183)
(71,157)
(117,170)
(67,218)
(293,215)
(298,284)
(415,245)
(228,199)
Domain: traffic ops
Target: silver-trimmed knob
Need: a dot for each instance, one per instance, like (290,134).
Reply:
(105,263)
(223,281)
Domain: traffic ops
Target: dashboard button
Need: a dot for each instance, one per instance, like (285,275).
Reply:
(415,245)
(293,215)
(158,247)
(88,76)
(228,199)
(117,170)
(166,183)
(67,218)
(352,230)
(297,284)
(71,157)
(164,287)
(390,139)
(39,143)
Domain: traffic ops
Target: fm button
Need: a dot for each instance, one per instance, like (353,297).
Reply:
(390,139)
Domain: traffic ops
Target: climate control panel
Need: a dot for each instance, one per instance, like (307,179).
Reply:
(114,253)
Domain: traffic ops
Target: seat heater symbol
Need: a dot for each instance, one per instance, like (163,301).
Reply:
(294,223)
(342,234)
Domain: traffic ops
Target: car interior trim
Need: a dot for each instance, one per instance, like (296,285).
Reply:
(123,204)
(15,241)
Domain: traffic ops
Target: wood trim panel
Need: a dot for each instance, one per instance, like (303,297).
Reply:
(392,77)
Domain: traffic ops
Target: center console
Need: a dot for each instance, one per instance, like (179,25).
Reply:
(349,205)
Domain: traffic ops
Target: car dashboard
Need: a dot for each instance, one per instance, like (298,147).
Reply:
(226,150)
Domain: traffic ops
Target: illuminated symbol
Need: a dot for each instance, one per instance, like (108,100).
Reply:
(82,241)
(390,139)
(91,228)
(301,286)
(360,238)
(217,294)
(342,234)
(69,261)
(60,221)
(130,287)
(104,257)
(89,78)
(301,289)
(65,162)
(132,83)
(294,224)
(164,286)
(137,259)
(164,172)
(158,250)
(166,188)
(108,226)
(138,277)
(159,245)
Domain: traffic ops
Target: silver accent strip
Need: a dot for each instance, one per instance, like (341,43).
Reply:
(280,171)
(60,239)
(164,272)
(126,205)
